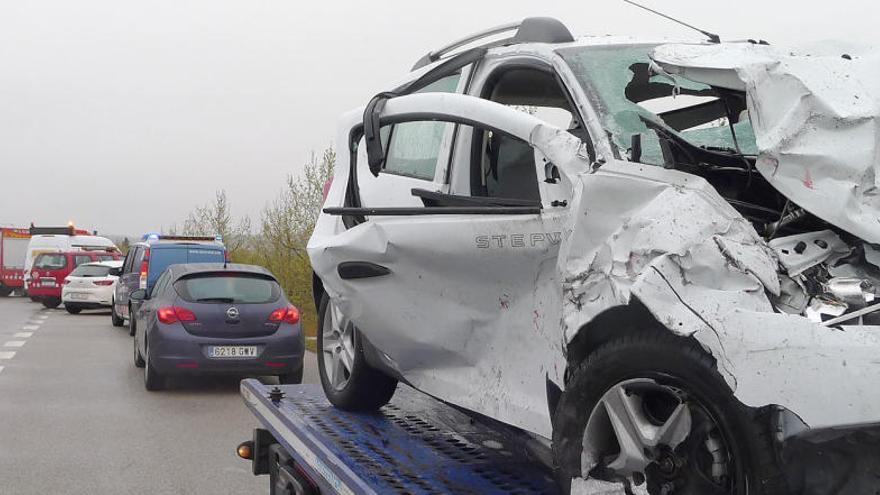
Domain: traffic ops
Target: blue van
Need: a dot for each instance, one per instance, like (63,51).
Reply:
(147,259)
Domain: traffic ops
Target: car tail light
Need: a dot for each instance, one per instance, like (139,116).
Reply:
(66,281)
(173,314)
(102,282)
(145,264)
(288,315)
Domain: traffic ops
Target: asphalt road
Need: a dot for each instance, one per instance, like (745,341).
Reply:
(75,417)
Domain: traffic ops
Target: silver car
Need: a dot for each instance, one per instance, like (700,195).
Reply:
(659,259)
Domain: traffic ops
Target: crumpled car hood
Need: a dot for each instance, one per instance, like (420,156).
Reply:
(815,118)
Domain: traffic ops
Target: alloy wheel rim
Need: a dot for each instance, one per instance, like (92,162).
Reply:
(337,347)
(656,439)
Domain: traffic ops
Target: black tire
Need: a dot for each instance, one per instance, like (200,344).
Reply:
(34,298)
(153,380)
(138,358)
(132,326)
(367,389)
(5,291)
(115,319)
(294,378)
(51,302)
(675,362)
(72,309)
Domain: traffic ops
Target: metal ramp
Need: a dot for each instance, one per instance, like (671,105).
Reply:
(414,445)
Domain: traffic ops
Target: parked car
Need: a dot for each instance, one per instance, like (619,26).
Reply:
(686,266)
(90,286)
(57,240)
(209,318)
(51,269)
(13,250)
(147,259)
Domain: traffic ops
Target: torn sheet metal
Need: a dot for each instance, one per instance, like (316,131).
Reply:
(815,118)
(466,292)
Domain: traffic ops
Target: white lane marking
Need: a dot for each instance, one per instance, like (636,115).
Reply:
(23,335)
(1,369)
(42,317)
(14,343)
(31,327)
(7,354)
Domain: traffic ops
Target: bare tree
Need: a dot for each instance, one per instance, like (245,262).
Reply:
(216,219)
(288,222)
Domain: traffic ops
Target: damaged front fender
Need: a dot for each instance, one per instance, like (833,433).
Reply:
(668,239)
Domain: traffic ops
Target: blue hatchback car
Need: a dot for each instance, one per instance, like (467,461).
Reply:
(209,318)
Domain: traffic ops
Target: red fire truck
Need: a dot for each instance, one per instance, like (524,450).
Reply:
(13,251)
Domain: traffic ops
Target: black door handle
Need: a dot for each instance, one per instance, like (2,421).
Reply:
(350,270)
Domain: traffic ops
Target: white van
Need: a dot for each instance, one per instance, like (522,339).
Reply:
(59,243)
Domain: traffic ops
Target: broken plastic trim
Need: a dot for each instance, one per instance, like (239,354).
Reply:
(437,210)
(375,152)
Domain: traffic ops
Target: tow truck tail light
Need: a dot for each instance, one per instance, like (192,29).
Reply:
(226,256)
(145,265)
(287,315)
(173,314)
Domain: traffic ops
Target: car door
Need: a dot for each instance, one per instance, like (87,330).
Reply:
(459,292)
(130,279)
(145,312)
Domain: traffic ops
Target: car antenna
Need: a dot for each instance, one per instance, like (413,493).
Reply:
(714,38)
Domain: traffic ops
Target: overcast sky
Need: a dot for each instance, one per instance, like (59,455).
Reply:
(124,115)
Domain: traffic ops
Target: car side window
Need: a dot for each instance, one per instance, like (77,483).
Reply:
(413,148)
(129,259)
(80,259)
(160,285)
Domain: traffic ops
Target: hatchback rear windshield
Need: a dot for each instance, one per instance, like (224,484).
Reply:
(91,271)
(239,288)
(51,261)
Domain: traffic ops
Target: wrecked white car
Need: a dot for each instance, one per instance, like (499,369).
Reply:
(660,258)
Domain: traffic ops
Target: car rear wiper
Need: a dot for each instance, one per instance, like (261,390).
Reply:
(217,299)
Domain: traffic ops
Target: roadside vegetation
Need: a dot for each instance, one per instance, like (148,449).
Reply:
(278,240)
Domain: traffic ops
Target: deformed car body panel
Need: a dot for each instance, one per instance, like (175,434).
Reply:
(630,231)
(816,119)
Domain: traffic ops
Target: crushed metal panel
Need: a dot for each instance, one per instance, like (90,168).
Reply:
(815,118)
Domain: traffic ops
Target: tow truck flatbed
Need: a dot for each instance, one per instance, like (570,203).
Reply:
(413,445)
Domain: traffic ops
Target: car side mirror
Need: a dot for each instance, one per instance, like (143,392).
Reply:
(139,295)
(116,271)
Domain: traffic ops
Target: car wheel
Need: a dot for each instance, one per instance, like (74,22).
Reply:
(34,298)
(131,323)
(652,409)
(51,302)
(138,358)
(153,380)
(115,319)
(72,309)
(5,291)
(291,378)
(348,381)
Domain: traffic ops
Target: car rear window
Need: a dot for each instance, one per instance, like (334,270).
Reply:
(239,288)
(91,271)
(160,259)
(51,261)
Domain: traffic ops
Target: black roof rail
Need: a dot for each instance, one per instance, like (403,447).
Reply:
(529,30)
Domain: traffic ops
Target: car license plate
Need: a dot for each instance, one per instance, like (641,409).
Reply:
(233,351)
(79,295)
(47,282)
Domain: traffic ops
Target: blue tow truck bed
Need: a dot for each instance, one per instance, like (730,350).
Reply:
(413,445)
